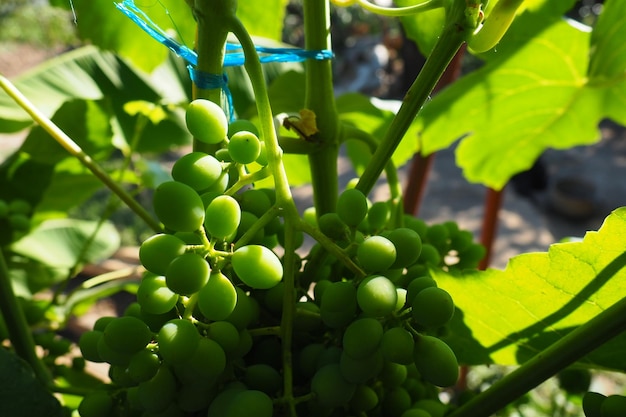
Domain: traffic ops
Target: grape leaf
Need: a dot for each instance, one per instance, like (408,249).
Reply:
(263,18)
(422,28)
(539,297)
(549,92)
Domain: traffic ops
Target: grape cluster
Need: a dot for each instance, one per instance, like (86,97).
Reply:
(14,219)
(204,335)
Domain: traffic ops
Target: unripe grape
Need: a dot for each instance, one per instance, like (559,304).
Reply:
(613,406)
(96,404)
(205,364)
(206,121)
(359,371)
(364,399)
(376,254)
(178,340)
(408,246)
(112,356)
(330,387)
(352,207)
(574,381)
(434,407)
(416,285)
(397,345)
(429,255)
(157,393)
(88,344)
(198,170)
(435,361)
(362,337)
(222,218)
(178,206)
(20,206)
(4,209)
(377,296)
(156,252)
(187,274)
(143,365)
(592,404)
(332,226)
(19,222)
(244,147)
(393,374)
(264,378)
(251,403)
(395,402)
(256,201)
(262,159)
(432,307)
(240,125)
(218,298)
(127,334)
(339,304)
(257,266)
(244,312)
(378,215)
(246,222)
(154,296)
(415,412)
(225,334)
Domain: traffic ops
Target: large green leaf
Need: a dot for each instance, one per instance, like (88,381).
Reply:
(263,18)
(540,297)
(422,28)
(541,96)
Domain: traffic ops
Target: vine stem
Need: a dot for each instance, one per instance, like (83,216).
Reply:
(400,11)
(73,149)
(17,326)
(455,31)
(567,350)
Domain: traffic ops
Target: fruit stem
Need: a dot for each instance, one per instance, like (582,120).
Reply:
(17,326)
(73,149)
(400,11)
(457,28)
(567,350)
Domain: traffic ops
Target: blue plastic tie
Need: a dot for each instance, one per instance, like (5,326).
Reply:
(234,55)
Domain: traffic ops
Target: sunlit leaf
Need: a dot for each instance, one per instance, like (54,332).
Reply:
(263,18)
(422,28)
(540,297)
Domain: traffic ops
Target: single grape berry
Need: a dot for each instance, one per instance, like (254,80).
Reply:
(127,334)
(397,345)
(435,361)
(330,387)
(378,215)
(339,304)
(408,246)
(223,215)
(257,266)
(352,207)
(178,340)
(206,121)
(96,404)
(156,252)
(376,254)
(154,296)
(362,337)
(178,206)
(244,147)
(187,273)
(432,307)
(218,298)
(198,170)
(377,296)
(240,125)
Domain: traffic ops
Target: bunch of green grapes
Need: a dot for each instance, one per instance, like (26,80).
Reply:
(204,336)
(14,219)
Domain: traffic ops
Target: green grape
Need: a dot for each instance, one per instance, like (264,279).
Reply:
(330,387)
(206,363)
(306,361)
(432,307)
(178,206)
(264,378)
(415,412)
(438,236)
(223,155)
(359,371)
(298,236)
(222,218)
(220,185)
(401,299)
(362,337)
(251,403)
(574,381)
(417,285)
(397,345)
(220,405)
(378,215)
(244,147)
(245,344)
(376,254)
(377,296)
(416,224)
(429,255)
(257,266)
(592,404)
(273,298)
(198,170)
(96,404)
(433,407)
(307,317)
(127,334)
(88,344)
(613,406)
(435,361)
(310,217)
(244,312)
(246,222)
(393,374)
(352,207)
(469,257)
(395,402)
(225,334)
(154,296)
(157,393)
(156,252)
(256,201)
(178,340)
(102,322)
(339,304)
(119,376)
(364,399)
(330,355)
(241,125)
(206,121)
(195,397)
(461,240)
(408,246)
(218,298)
(332,226)
(112,356)
(187,274)
(143,365)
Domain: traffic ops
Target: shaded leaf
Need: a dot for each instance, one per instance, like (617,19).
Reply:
(423,28)
(59,243)
(540,297)
(21,394)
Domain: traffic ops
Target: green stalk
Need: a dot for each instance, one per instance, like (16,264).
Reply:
(580,342)
(17,326)
(455,31)
(73,149)
(320,99)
